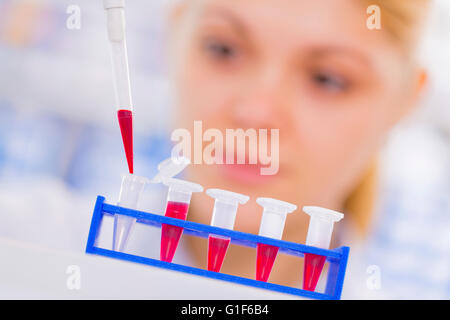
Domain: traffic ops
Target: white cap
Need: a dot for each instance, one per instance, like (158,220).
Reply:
(225,207)
(181,190)
(170,168)
(321,226)
(274,217)
(108,4)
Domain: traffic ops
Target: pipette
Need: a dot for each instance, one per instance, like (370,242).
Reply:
(224,215)
(116,33)
(272,226)
(319,235)
(130,192)
(178,199)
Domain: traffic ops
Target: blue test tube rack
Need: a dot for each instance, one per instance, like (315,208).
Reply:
(337,258)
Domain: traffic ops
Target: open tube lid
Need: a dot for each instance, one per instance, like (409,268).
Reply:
(170,168)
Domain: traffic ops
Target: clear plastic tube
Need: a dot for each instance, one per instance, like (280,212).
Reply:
(130,193)
(272,225)
(319,235)
(224,216)
(178,200)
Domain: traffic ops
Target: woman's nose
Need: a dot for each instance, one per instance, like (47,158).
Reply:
(261,102)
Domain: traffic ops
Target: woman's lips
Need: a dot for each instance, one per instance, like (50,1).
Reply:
(247,173)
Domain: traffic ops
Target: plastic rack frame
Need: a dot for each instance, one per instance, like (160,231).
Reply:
(337,258)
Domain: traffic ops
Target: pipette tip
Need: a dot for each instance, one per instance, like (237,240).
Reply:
(126,128)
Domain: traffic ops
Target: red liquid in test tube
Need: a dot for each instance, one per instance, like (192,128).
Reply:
(266,255)
(217,248)
(223,216)
(312,270)
(319,235)
(170,235)
(178,199)
(272,226)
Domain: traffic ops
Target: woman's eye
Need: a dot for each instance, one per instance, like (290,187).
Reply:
(220,50)
(331,82)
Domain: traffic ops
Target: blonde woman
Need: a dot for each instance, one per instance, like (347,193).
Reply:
(312,69)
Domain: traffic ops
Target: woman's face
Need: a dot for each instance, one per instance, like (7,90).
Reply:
(311,69)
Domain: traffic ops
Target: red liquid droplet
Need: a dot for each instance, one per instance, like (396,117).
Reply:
(312,270)
(170,235)
(126,128)
(266,255)
(217,248)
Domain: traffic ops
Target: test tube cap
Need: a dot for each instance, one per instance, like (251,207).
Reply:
(182,185)
(323,213)
(227,196)
(321,226)
(225,207)
(276,206)
(170,168)
(181,190)
(108,4)
(274,216)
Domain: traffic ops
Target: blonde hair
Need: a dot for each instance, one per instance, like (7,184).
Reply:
(402,19)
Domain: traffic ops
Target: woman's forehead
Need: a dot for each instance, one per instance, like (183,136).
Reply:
(294,21)
(324,27)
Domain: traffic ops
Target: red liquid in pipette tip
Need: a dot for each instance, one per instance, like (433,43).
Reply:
(217,248)
(170,235)
(312,270)
(126,128)
(266,255)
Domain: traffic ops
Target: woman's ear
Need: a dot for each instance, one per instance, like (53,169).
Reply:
(421,84)
(418,87)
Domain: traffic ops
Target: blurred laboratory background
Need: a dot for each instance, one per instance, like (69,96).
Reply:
(60,144)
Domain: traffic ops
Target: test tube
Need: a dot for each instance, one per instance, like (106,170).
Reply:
(224,215)
(178,199)
(272,226)
(130,192)
(319,235)
(115,16)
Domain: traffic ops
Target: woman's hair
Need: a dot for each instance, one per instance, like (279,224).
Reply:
(402,19)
